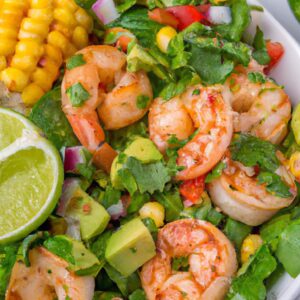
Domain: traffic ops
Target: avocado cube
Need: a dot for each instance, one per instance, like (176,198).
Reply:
(130,247)
(92,216)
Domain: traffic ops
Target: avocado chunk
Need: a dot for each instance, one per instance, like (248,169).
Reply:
(130,247)
(142,149)
(92,216)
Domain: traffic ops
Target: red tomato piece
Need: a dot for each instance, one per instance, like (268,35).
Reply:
(192,189)
(275,51)
(186,14)
(164,17)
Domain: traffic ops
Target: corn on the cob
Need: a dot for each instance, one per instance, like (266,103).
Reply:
(35,37)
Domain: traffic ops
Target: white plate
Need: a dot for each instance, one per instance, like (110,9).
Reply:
(286,73)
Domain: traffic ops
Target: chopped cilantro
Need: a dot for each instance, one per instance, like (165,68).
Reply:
(142,101)
(216,172)
(86,170)
(77,94)
(196,92)
(256,77)
(252,151)
(180,263)
(75,61)
(260,54)
(133,250)
(110,197)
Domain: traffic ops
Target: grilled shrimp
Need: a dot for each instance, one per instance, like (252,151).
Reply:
(264,109)
(211,257)
(205,109)
(239,195)
(112,91)
(47,278)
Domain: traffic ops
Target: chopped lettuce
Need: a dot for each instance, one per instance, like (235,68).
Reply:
(249,284)
(172,203)
(240,12)
(138,295)
(295,6)
(8,256)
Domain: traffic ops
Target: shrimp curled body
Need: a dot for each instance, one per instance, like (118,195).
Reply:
(211,257)
(113,94)
(208,110)
(47,278)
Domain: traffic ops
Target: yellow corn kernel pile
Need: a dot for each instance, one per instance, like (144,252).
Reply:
(36,36)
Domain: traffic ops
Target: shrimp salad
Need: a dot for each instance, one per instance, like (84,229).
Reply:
(180,154)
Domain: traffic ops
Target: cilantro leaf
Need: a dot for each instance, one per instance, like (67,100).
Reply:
(252,151)
(249,284)
(274,184)
(110,197)
(86,170)
(138,295)
(128,181)
(180,263)
(256,77)
(149,177)
(137,200)
(150,224)
(260,54)
(216,172)
(75,61)
(77,94)
(142,101)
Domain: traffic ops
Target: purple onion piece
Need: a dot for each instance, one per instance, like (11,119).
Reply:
(72,157)
(105,10)
(219,15)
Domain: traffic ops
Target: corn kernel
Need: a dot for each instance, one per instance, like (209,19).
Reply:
(15,5)
(57,39)
(84,20)
(35,26)
(40,3)
(10,21)
(7,46)
(8,32)
(31,94)
(30,47)
(164,37)
(80,37)
(41,77)
(294,164)
(71,50)
(43,14)
(54,54)
(65,17)
(3,63)
(155,211)
(49,65)
(11,13)
(25,63)
(70,5)
(57,26)
(15,79)
(250,244)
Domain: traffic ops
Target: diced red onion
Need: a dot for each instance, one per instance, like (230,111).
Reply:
(72,157)
(69,187)
(187,203)
(117,210)
(73,229)
(105,10)
(219,15)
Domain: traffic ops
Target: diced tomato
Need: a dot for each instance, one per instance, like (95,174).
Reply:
(186,15)
(123,41)
(192,189)
(275,51)
(164,17)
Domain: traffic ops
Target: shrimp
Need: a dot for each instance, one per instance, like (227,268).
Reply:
(47,278)
(264,109)
(211,258)
(113,94)
(208,110)
(239,195)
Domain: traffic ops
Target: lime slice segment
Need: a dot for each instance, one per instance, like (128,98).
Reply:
(12,125)
(31,178)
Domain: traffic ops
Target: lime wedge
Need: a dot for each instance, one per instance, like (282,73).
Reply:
(31,177)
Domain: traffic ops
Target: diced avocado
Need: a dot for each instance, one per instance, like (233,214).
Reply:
(81,260)
(92,216)
(130,247)
(142,149)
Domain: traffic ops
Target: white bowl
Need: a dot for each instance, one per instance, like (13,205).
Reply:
(286,73)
